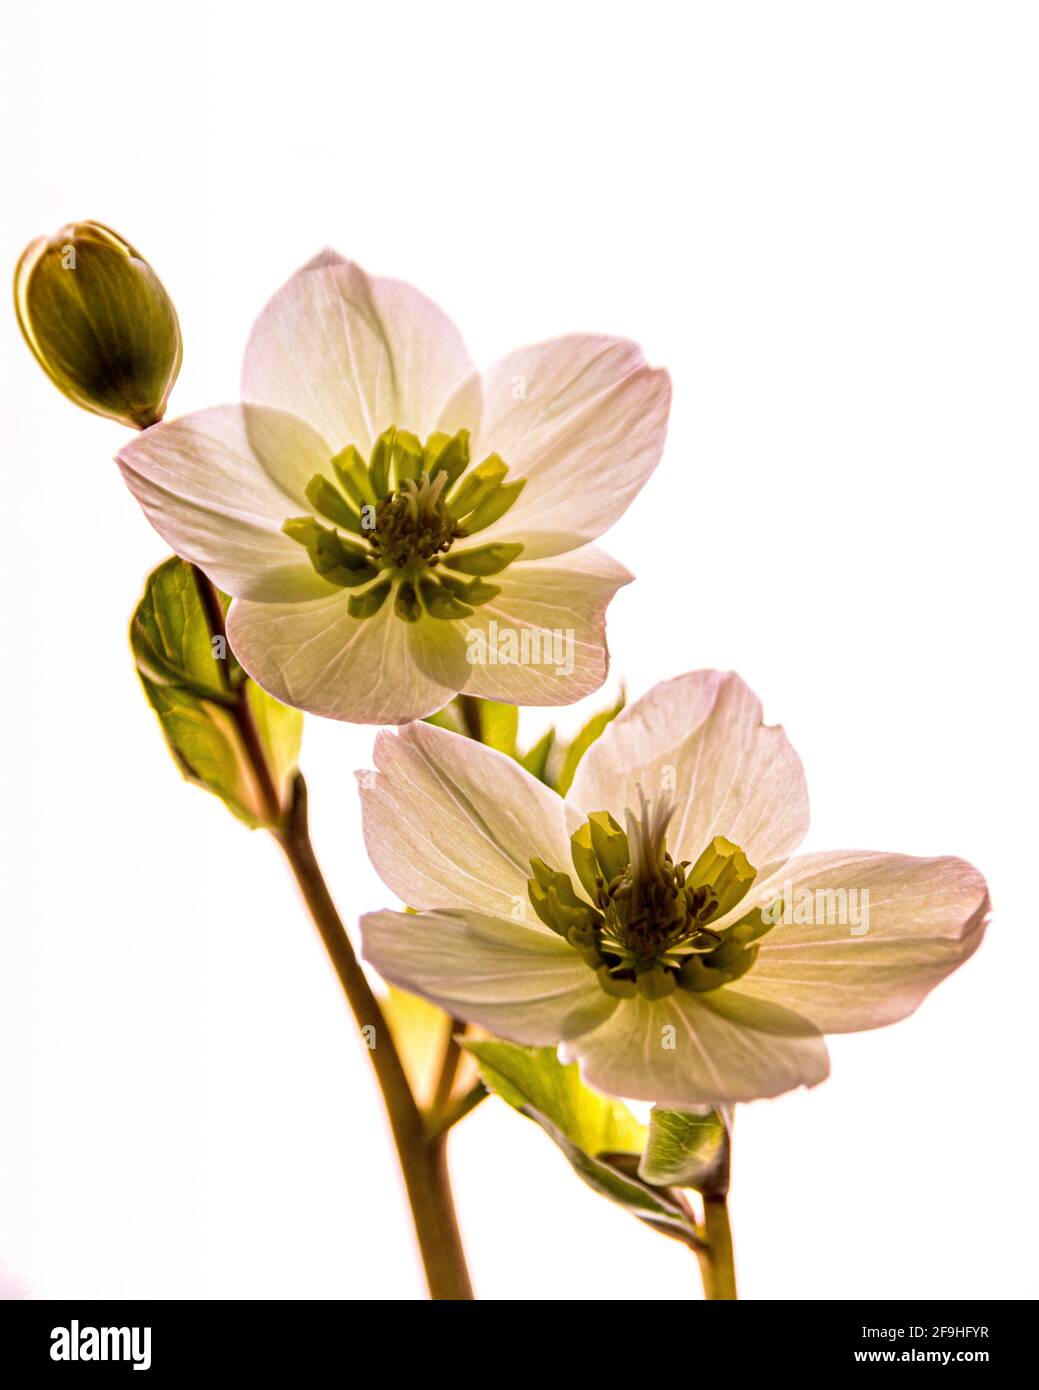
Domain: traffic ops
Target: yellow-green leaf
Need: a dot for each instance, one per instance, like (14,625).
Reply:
(444,719)
(580,745)
(599,1136)
(203,698)
(499,725)
(535,759)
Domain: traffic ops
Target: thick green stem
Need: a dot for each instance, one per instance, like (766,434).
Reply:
(423,1157)
(717,1264)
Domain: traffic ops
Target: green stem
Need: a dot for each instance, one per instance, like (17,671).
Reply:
(449,1064)
(241,711)
(423,1157)
(717,1264)
(460,1108)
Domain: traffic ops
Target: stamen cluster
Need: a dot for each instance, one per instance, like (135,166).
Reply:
(644,924)
(405,509)
(413,526)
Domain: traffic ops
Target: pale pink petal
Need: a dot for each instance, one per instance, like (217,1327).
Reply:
(861,962)
(316,657)
(583,419)
(701,738)
(449,823)
(542,641)
(693,1049)
(353,354)
(528,986)
(218,485)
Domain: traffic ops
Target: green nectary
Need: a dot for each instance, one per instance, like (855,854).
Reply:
(404,511)
(644,925)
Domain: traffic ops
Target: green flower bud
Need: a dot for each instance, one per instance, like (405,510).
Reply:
(99,322)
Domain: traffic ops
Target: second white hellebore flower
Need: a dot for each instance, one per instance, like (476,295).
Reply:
(653,922)
(381,512)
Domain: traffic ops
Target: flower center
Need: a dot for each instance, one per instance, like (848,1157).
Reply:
(404,510)
(413,527)
(645,925)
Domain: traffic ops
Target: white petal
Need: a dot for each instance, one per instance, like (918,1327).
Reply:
(528,986)
(316,657)
(354,354)
(450,823)
(583,419)
(217,485)
(542,641)
(701,736)
(704,1049)
(923,918)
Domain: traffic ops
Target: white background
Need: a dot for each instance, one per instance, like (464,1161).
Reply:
(823,219)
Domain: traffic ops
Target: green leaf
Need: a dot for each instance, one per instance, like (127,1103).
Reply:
(498,722)
(203,697)
(535,1076)
(547,760)
(499,725)
(581,744)
(172,641)
(281,732)
(687,1150)
(599,1136)
(535,760)
(444,719)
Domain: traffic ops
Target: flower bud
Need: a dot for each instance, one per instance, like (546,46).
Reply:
(99,322)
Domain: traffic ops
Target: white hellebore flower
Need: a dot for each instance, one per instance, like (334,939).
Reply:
(653,922)
(395,526)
